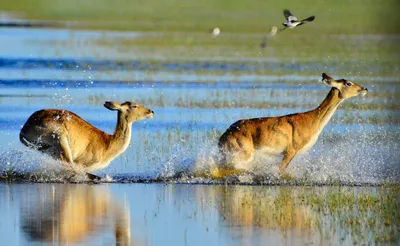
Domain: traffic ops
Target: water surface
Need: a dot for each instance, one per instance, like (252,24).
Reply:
(155,214)
(194,101)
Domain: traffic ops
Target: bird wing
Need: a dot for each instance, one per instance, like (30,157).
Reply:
(292,19)
(309,19)
(287,14)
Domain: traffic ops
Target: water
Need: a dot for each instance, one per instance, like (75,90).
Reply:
(184,128)
(154,214)
(193,107)
(194,102)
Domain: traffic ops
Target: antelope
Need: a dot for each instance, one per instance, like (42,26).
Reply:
(67,137)
(288,134)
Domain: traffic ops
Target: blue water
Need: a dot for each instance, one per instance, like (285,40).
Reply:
(149,194)
(158,214)
(184,94)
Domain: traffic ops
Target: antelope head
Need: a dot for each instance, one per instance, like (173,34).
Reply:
(346,88)
(130,110)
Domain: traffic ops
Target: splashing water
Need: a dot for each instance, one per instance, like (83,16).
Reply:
(336,159)
(365,156)
(30,165)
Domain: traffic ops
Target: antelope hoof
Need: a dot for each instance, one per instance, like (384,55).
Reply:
(93,177)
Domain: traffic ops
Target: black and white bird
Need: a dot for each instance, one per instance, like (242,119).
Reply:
(292,20)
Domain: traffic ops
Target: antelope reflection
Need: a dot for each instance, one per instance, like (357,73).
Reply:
(281,210)
(72,213)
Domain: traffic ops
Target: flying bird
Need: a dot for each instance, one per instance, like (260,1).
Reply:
(292,21)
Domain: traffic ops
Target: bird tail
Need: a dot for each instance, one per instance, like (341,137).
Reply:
(309,19)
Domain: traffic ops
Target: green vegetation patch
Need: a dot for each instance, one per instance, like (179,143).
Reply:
(252,16)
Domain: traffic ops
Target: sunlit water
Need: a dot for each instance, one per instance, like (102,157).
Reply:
(159,214)
(194,102)
(192,109)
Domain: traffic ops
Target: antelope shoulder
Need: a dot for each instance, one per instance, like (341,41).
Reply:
(310,143)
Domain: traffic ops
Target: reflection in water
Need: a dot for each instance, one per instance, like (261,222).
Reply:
(307,215)
(248,208)
(273,214)
(175,214)
(72,214)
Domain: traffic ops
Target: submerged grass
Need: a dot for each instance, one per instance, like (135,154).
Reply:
(344,35)
(359,215)
(365,214)
(241,54)
(329,50)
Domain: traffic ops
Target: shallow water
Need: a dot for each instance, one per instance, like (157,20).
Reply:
(194,102)
(155,214)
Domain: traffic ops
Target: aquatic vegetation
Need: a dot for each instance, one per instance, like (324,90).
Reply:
(367,215)
(328,52)
(359,215)
(197,85)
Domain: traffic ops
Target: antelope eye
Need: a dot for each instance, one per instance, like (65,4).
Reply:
(348,84)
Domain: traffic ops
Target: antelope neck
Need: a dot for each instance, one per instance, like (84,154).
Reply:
(122,133)
(324,112)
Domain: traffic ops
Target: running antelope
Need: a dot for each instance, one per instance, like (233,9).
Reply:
(287,135)
(67,137)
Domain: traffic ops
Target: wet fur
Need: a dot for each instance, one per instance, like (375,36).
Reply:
(286,135)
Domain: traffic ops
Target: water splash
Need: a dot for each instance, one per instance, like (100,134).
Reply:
(343,159)
(30,165)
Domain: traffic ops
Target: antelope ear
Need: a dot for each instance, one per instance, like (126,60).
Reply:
(112,105)
(327,80)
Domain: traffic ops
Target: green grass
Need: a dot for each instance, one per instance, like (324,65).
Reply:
(252,16)
(344,33)
(247,99)
(360,215)
(327,49)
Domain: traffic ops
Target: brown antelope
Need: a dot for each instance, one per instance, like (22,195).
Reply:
(67,137)
(287,135)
